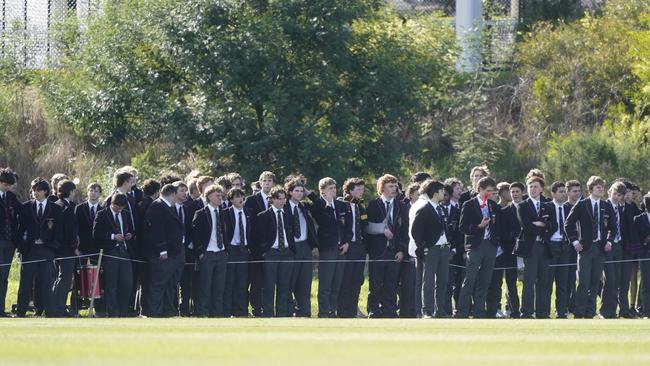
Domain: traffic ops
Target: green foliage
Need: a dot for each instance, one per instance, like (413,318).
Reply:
(576,72)
(616,149)
(330,87)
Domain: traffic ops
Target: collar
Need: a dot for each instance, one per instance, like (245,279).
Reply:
(178,205)
(44,202)
(90,204)
(536,201)
(166,202)
(276,210)
(558,204)
(212,208)
(113,211)
(435,205)
(593,200)
(237,210)
(386,200)
(293,205)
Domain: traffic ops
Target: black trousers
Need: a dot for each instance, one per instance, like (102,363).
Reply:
(383,278)
(236,295)
(278,267)
(352,280)
(189,285)
(118,283)
(558,274)
(590,269)
(455,283)
(610,294)
(406,288)
(7,251)
(256,283)
(165,276)
(212,284)
(494,295)
(301,277)
(64,269)
(43,274)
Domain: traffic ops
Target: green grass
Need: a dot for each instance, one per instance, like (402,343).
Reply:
(180,341)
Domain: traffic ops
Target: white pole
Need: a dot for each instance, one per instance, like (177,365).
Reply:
(468,32)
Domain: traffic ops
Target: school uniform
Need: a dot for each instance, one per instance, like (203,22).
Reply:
(589,224)
(211,249)
(277,247)
(40,235)
(237,223)
(116,263)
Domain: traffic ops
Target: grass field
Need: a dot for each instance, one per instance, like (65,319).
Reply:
(330,342)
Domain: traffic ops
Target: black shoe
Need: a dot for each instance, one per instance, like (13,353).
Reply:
(460,316)
(427,315)
(515,315)
(526,316)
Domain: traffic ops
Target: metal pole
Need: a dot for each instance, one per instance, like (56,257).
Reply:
(91,309)
(468,33)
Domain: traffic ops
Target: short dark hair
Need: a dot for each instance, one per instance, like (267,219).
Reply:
(120,178)
(64,188)
(431,187)
(150,187)
(519,185)
(277,191)
(40,184)
(7,176)
(486,182)
(168,190)
(646,202)
(119,200)
(420,177)
(235,192)
(449,189)
(557,185)
(202,181)
(169,178)
(179,183)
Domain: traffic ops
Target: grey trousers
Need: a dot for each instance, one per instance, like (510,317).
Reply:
(330,277)
(435,274)
(212,284)
(478,274)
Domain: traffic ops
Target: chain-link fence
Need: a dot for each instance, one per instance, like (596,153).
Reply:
(27,27)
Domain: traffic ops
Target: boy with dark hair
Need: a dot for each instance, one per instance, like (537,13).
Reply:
(479,221)
(237,222)
(113,231)
(348,305)
(429,233)
(305,240)
(277,246)
(590,231)
(9,210)
(69,247)
(40,234)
